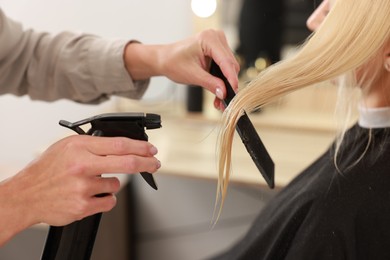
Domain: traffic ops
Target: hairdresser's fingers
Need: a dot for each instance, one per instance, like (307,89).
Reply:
(119,146)
(100,204)
(229,69)
(123,164)
(104,185)
(215,84)
(209,82)
(223,57)
(218,104)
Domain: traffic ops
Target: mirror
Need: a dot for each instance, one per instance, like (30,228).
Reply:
(263,32)
(259,30)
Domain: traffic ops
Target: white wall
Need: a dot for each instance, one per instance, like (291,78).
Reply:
(28,126)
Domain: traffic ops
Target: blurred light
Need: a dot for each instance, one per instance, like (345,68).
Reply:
(261,64)
(204,8)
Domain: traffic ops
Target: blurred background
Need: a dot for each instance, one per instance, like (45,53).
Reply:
(175,223)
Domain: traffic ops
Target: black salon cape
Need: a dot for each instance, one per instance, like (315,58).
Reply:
(326,215)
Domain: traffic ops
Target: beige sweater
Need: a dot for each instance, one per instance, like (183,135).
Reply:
(83,68)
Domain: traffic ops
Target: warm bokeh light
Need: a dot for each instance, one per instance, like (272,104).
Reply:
(204,8)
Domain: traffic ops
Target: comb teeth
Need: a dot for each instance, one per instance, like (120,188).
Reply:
(256,149)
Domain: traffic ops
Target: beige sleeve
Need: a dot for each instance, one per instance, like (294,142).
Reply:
(83,68)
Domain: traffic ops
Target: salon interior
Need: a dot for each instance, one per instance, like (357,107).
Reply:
(175,222)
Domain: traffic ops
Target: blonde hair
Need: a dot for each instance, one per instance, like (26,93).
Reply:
(351,35)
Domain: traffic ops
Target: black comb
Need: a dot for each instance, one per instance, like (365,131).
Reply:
(248,134)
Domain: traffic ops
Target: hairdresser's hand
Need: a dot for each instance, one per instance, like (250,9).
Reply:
(186,61)
(60,186)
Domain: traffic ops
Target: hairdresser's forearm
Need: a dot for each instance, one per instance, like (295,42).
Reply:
(14,216)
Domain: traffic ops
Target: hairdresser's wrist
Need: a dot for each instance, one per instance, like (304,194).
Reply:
(15,211)
(143,61)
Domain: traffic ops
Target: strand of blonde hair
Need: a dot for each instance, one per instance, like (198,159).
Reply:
(351,34)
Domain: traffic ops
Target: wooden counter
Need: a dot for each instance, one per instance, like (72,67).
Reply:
(187,143)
